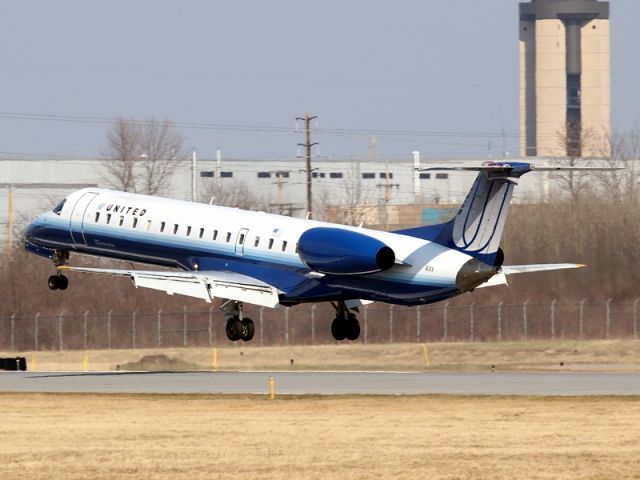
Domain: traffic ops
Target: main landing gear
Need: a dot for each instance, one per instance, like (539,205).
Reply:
(346,324)
(238,327)
(59,281)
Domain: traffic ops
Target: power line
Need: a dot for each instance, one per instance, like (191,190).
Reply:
(104,120)
(81,119)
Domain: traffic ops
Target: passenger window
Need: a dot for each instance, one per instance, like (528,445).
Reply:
(148,224)
(255,244)
(201,233)
(188,231)
(228,237)
(241,239)
(175,228)
(284,245)
(162,224)
(121,220)
(108,218)
(97,217)
(215,234)
(270,243)
(135,222)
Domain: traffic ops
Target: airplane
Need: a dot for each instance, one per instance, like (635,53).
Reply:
(242,256)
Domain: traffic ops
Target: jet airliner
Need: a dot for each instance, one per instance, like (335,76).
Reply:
(270,260)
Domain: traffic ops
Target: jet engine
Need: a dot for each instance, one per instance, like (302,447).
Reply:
(336,251)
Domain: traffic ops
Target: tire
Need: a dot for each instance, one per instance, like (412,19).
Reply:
(338,329)
(53,282)
(353,328)
(249,329)
(234,329)
(63,282)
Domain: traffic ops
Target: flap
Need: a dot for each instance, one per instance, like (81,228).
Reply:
(204,285)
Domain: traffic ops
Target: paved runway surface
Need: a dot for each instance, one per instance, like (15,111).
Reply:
(326,383)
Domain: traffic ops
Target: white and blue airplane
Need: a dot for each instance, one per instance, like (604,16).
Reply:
(270,260)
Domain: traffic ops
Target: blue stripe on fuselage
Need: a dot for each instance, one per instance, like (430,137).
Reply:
(277,269)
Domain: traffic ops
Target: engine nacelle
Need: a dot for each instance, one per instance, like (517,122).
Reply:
(343,252)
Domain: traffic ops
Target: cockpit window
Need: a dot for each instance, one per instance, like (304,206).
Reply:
(58,208)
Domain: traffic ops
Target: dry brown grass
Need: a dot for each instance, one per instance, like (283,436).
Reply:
(610,355)
(239,437)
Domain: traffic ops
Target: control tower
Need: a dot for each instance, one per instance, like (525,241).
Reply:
(565,99)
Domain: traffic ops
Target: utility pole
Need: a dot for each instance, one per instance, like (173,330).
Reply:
(279,183)
(10,223)
(416,176)
(387,186)
(307,128)
(194,176)
(280,175)
(218,165)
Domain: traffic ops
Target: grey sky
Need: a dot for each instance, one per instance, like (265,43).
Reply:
(405,65)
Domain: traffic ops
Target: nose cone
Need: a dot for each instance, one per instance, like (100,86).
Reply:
(474,273)
(31,233)
(28,233)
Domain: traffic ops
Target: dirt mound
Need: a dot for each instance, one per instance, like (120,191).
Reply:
(159,362)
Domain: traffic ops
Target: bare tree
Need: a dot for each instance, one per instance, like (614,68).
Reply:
(351,204)
(577,185)
(622,186)
(234,193)
(142,156)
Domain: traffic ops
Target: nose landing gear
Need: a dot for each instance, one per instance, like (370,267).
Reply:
(59,281)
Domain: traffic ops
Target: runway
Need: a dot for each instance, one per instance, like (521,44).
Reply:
(326,383)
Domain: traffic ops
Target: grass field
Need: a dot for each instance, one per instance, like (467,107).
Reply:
(610,355)
(58,436)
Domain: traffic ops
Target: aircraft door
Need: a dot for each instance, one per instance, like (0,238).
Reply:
(79,216)
(241,240)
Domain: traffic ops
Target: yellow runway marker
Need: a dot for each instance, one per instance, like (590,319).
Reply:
(272,388)
(425,354)
(85,361)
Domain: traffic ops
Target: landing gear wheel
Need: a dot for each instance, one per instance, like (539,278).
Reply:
(352,327)
(338,329)
(346,324)
(238,327)
(53,282)
(58,282)
(63,282)
(248,330)
(234,329)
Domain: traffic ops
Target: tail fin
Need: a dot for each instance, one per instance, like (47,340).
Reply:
(477,227)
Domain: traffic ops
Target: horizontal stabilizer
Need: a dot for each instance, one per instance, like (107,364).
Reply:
(204,285)
(576,169)
(507,166)
(541,267)
(501,278)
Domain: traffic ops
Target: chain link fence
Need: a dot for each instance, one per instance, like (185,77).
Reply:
(310,324)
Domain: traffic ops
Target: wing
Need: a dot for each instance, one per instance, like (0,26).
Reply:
(205,285)
(501,278)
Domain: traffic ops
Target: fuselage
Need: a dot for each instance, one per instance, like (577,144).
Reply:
(199,237)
